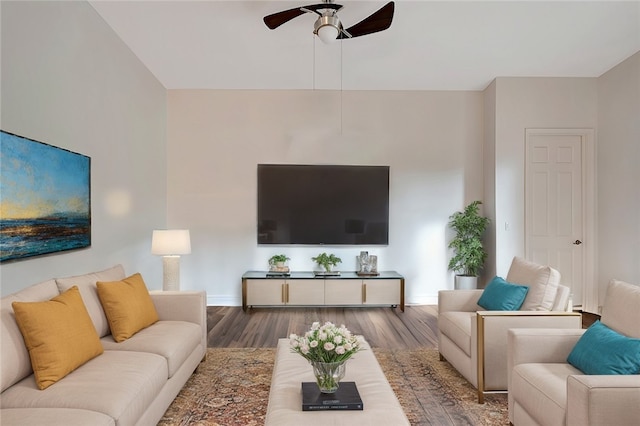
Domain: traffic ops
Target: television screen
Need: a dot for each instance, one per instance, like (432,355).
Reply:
(323,204)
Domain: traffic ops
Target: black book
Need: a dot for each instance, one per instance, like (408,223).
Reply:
(346,397)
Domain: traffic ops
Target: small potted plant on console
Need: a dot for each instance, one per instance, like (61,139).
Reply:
(327,261)
(278,262)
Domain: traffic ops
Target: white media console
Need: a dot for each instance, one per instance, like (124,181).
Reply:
(306,289)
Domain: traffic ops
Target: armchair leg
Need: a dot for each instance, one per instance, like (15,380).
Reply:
(480,397)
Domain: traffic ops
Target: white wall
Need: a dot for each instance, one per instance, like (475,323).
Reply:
(69,81)
(431,140)
(618,158)
(489,167)
(523,103)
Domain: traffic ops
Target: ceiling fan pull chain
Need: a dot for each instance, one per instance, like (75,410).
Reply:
(341,76)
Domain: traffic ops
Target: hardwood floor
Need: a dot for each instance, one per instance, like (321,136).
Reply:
(230,327)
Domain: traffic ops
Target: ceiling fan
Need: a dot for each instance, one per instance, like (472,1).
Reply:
(328,26)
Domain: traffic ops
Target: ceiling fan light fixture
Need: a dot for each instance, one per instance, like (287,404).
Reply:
(327,28)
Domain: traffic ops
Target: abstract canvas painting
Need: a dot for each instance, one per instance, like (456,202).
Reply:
(45,198)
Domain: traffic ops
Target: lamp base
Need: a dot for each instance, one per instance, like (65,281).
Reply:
(171,273)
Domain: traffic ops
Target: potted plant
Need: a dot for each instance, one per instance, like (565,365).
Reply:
(327,261)
(469,253)
(278,260)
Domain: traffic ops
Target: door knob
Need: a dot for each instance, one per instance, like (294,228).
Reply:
(577,242)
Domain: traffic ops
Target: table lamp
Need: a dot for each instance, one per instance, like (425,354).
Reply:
(170,244)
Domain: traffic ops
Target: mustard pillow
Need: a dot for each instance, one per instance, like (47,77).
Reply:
(59,335)
(127,305)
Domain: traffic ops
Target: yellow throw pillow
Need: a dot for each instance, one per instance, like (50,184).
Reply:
(59,335)
(127,305)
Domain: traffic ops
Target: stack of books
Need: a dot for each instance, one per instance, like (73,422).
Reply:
(346,397)
(282,271)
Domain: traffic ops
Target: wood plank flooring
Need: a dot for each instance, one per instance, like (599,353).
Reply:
(230,327)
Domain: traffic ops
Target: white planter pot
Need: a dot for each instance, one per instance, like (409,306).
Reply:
(465,282)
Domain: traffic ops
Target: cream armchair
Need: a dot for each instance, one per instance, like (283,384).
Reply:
(544,389)
(474,341)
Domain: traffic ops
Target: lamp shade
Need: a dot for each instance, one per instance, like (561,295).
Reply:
(171,242)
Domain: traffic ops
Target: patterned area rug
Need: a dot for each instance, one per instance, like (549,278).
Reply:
(231,388)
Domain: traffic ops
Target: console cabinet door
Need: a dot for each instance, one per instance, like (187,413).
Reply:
(381,292)
(343,292)
(265,292)
(305,292)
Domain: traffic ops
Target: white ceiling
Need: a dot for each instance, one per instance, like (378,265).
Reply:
(445,45)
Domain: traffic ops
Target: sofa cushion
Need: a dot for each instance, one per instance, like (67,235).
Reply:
(543,283)
(59,335)
(87,285)
(16,364)
(173,340)
(500,295)
(603,351)
(120,384)
(457,327)
(53,417)
(127,305)
(541,389)
(620,310)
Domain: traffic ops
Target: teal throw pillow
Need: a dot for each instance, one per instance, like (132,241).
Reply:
(500,295)
(602,350)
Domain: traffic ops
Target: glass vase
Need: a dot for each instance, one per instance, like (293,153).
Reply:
(328,375)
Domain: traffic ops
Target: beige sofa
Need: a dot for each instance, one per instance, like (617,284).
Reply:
(130,383)
(474,341)
(544,389)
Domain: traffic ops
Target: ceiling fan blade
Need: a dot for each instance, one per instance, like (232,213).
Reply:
(274,20)
(378,21)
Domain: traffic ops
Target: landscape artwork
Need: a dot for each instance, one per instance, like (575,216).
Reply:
(45,198)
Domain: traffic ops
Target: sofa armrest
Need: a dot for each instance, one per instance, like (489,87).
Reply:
(459,300)
(190,306)
(491,335)
(181,306)
(540,345)
(599,400)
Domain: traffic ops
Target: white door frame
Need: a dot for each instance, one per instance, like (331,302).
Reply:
(590,291)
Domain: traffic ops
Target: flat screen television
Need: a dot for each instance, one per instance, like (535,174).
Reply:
(323,204)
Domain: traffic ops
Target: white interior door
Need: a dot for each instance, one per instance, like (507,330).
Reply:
(554,206)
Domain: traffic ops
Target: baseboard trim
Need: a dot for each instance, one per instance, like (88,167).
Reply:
(223,301)
(233,301)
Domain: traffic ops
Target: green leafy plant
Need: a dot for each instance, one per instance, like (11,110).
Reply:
(327,261)
(469,253)
(277,258)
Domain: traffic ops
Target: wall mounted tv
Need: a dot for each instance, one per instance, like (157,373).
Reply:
(323,204)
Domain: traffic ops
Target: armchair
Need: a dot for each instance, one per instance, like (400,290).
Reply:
(474,341)
(544,389)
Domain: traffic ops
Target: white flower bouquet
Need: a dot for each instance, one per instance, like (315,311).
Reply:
(325,343)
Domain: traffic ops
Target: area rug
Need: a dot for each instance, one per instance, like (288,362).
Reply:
(231,388)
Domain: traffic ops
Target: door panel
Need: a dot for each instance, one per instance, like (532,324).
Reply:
(343,292)
(554,207)
(265,292)
(305,292)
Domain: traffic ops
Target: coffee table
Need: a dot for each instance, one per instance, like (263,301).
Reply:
(381,407)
